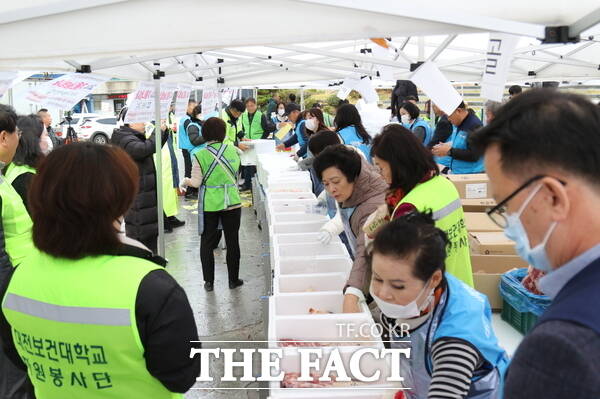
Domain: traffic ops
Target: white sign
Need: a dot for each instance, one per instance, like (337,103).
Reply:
(141,104)
(366,90)
(9,79)
(498,58)
(66,91)
(210,101)
(348,85)
(141,107)
(439,89)
(227,95)
(182,99)
(167,90)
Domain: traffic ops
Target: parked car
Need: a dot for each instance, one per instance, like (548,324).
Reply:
(97,129)
(76,119)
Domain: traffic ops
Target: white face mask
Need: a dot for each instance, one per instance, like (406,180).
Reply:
(312,124)
(405,119)
(281,112)
(408,311)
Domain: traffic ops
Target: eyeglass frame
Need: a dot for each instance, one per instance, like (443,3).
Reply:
(503,203)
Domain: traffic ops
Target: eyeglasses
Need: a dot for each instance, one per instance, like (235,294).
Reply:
(498,213)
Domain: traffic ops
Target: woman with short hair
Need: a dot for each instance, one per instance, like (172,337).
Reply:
(109,318)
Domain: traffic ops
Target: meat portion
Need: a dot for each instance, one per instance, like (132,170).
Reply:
(290,380)
(530,282)
(317,311)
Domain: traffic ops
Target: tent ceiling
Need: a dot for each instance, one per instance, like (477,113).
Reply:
(123,38)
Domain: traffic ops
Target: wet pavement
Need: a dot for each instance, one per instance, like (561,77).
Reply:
(224,314)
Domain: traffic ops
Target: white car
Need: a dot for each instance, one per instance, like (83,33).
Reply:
(97,129)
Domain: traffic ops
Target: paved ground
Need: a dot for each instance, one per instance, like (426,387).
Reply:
(224,314)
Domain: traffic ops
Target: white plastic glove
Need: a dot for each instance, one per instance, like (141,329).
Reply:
(325,237)
(183,187)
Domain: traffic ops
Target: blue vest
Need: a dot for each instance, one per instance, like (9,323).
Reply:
(350,136)
(446,160)
(465,314)
(299,135)
(464,167)
(184,140)
(428,132)
(578,300)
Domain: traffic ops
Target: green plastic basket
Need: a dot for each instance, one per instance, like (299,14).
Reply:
(521,321)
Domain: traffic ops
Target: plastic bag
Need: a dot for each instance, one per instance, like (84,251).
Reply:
(518,296)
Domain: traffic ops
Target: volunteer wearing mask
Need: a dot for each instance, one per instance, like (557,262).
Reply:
(299,136)
(315,122)
(231,117)
(112,321)
(28,156)
(415,184)
(280,117)
(359,190)
(410,118)
(543,171)
(219,203)
(463,158)
(454,351)
(351,130)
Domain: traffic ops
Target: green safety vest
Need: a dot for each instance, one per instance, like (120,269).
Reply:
(231,130)
(439,196)
(76,340)
(13,171)
(219,190)
(169,193)
(253,130)
(328,119)
(16,222)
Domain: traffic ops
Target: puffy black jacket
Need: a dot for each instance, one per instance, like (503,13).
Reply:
(141,221)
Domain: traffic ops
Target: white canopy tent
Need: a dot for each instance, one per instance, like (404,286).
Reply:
(271,42)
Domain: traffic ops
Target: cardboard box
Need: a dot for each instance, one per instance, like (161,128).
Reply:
(491,243)
(480,221)
(477,205)
(473,186)
(487,270)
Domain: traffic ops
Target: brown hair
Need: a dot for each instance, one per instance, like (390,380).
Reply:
(317,113)
(78,193)
(214,129)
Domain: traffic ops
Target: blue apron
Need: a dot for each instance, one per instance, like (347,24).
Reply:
(428,132)
(202,190)
(350,136)
(465,314)
(464,167)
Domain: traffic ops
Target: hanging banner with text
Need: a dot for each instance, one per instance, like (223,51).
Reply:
(430,79)
(9,79)
(65,92)
(497,63)
(182,99)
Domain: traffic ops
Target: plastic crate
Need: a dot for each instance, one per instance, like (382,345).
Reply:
(522,322)
(521,308)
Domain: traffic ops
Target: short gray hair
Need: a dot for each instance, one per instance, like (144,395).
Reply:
(492,106)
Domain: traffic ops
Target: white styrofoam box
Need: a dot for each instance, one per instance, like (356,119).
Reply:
(293,195)
(298,217)
(310,250)
(299,303)
(341,264)
(296,227)
(297,238)
(289,185)
(256,147)
(297,283)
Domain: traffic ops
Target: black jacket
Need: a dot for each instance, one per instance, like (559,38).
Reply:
(141,221)
(403,89)
(443,130)
(165,322)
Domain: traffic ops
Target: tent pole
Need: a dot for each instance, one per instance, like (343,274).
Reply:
(302,98)
(158,160)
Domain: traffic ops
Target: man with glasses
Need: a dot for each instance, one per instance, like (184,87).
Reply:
(543,171)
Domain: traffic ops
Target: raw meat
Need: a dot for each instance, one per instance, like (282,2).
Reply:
(530,282)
